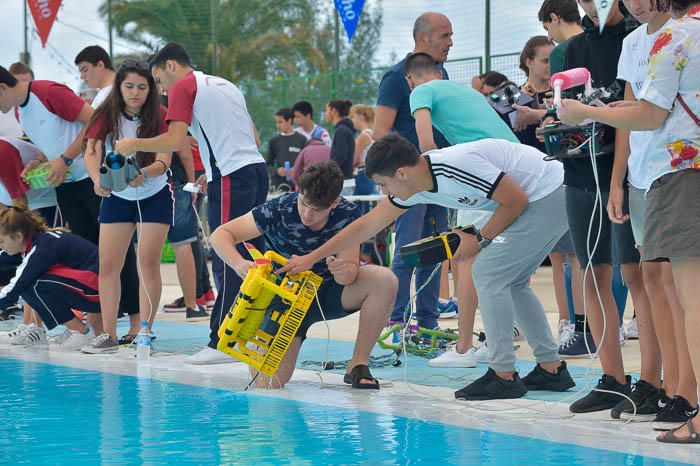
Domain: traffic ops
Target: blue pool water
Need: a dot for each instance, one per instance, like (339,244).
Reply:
(58,415)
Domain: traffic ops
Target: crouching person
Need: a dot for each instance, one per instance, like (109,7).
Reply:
(527,223)
(58,273)
(298,223)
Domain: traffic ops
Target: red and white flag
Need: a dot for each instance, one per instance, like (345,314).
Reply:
(44,14)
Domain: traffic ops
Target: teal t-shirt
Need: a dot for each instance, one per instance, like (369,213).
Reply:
(459,112)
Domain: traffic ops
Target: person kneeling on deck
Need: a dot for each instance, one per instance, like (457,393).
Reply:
(527,223)
(298,223)
(58,273)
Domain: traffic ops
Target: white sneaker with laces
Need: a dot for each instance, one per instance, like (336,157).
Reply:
(6,336)
(101,344)
(632,332)
(72,340)
(451,358)
(566,331)
(482,354)
(209,356)
(30,335)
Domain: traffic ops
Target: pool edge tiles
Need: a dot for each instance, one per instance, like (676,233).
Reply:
(432,404)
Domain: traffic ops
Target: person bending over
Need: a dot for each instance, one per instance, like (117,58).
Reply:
(58,273)
(297,224)
(527,223)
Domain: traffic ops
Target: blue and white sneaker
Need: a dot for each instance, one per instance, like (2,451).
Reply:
(575,347)
(447,308)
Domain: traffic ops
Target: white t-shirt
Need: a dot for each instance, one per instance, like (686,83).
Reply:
(9,126)
(632,68)
(151,186)
(101,96)
(317,132)
(49,117)
(465,176)
(216,112)
(15,154)
(674,69)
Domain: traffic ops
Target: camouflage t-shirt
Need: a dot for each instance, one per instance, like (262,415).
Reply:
(279,221)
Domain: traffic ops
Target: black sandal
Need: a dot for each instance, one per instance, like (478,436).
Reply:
(359,372)
(668,437)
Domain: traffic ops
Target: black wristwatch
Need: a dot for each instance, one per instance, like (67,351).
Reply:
(483,242)
(66,160)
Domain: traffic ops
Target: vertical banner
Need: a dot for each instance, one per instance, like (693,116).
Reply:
(603,8)
(349,11)
(44,14)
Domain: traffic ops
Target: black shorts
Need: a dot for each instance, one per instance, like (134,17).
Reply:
(329,294)
(580,205)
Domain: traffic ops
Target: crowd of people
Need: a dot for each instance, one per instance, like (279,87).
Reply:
(622,220)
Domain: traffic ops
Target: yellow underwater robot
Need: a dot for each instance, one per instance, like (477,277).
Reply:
(257,330)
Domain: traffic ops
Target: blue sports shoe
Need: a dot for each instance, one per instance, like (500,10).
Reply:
(575,346)
(447,308)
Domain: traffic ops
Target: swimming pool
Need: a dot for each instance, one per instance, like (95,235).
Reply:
(53,414)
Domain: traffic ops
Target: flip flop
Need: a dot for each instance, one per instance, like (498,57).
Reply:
(668,437)
(359,372)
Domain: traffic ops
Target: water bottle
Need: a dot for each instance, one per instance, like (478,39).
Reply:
(287,169)
(143,344)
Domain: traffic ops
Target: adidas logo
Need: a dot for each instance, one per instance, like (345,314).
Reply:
(466,201)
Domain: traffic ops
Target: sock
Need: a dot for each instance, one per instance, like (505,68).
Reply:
(579,324)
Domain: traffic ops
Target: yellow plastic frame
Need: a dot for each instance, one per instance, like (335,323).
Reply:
(240,335)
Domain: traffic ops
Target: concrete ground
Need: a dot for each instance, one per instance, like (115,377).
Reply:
(346,329)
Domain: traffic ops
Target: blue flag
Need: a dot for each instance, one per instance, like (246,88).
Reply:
(349,11)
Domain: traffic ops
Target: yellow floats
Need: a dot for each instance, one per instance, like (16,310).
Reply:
(258,331)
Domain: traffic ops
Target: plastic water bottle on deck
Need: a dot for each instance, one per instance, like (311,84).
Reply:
(143,344)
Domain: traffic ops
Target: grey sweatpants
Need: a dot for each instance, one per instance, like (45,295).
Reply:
(502,278)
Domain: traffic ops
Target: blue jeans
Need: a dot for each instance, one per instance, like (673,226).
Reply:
(416,223)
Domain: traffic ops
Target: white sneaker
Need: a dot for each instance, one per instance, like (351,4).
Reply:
(72,340)
(451,358)
(209,356)
(482,354)
(6,335)
(623,334)
(632,332)
(101,344)
(29,335)
(566,331)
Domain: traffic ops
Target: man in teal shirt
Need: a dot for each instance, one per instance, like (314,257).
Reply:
(459,112)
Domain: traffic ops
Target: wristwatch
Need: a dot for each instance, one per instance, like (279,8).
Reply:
(66,160)
(483,242)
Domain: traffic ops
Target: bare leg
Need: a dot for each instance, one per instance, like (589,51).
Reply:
(95,321)
(151,240)
(445,280)
(115,238)
(75,324)
(186,275)
(559,281)
(687,371)
(609,352)
(648,344)
(685,273)
(284,371)
(31,316)
(467,302)
(663,325)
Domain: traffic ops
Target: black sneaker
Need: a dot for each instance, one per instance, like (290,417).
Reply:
(176,306)
(9,312)
(639,395)
(198,313)
(541,379)
(655,402)
(601,401)
(674,414)
(491,387)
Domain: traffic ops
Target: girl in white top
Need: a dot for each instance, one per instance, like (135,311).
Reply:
(362,117)
(131,110)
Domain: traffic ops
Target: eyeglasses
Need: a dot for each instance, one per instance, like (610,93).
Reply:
(136,64)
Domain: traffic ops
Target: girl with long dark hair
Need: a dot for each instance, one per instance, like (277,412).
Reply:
(133,109)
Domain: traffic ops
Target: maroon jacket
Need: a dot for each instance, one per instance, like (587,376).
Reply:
(315,151)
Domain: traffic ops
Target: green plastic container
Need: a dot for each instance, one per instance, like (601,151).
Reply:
(168,255)
(36,177)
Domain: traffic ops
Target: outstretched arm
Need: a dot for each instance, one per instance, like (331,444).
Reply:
(353,235)
(172,141)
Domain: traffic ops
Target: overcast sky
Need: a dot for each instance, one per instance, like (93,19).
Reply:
(514,21)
